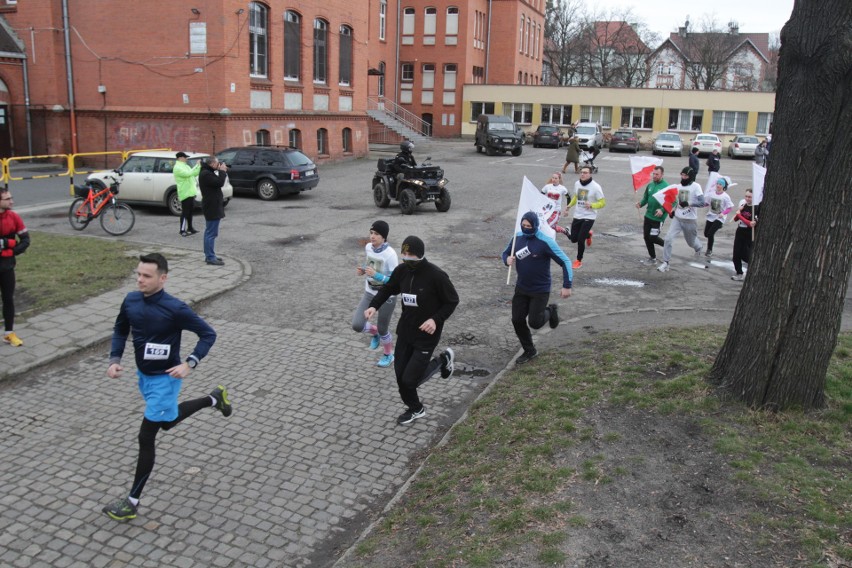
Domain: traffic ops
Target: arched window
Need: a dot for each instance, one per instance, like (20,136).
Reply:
(258,39)
(382,68)
(292,45)
(294,138)
(322,141)
(347,140)
(345,52)
(320,51)
(383,19)
(408,21)
(262,138)
(521,39)
(429,21)
(452,21)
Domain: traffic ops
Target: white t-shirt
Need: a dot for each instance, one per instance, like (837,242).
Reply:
(383,262)
(719,203)
(694,195)
(556,193)
(586,195)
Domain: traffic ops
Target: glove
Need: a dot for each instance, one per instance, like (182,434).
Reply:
(683,204)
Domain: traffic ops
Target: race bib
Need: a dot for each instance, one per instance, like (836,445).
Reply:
(523,253)
(654,232)
(157,351)
(409,300)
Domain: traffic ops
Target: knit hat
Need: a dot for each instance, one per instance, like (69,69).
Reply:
(689,172)
(413,246)
(381,228)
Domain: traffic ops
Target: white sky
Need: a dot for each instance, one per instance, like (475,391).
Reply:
(664,16)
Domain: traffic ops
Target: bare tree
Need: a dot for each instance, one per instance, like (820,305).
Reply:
(709,53)
(614,49)
(786,322)
(770,81)
(562,25)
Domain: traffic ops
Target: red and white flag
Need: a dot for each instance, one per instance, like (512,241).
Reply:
(642,167)
(667,197)
(534,200)
(758,173)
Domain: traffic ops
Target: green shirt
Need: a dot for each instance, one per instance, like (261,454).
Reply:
(653,204)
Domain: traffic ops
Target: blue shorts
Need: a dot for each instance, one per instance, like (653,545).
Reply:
(161,396)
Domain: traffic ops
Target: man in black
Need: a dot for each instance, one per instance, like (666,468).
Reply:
(210,182)
(405,158)
(428,299)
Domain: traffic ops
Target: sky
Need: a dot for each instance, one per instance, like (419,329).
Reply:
(664,16)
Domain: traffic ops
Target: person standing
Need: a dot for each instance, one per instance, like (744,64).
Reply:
(14,240)
(714,161)
(720,204)
(690,196)
(531,251)
(211,180)
(186,178)
(556,192)
(157,319)
(693,160)
(428,300)
(588,198)
(654,215)
(761,153)
(572,155)
(381,260)
(746,218)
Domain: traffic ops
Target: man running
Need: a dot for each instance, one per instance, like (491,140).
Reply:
(690,197)
(588,197)
(654,215)
(428,300)
(157,320)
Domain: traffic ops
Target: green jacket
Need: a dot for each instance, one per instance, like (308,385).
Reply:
(653,204)
(185,178)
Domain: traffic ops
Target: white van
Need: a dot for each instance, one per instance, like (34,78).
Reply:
(589,135)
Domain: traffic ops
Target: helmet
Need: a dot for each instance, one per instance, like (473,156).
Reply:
(407,146)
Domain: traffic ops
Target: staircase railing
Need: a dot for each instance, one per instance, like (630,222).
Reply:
(406,117)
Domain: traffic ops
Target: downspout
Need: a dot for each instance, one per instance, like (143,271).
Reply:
(488,43)
(27,107)
(396,68)
(70,75)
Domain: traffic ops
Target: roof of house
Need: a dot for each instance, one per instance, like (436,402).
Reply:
(619,35)
(10,45)
(686,44)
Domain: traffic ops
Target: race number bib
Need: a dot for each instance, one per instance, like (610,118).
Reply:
(157,351)
(654,232)
(409,300)
(523,253)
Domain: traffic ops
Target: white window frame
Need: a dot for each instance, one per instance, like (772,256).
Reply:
(430,21)
(383,19)
(409,17)
(258,35)
(451,26)
(520,113)
(638,113)
(599,114)
(729,122)
(764,119)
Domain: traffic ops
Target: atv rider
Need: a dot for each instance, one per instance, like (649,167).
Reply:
(403,161)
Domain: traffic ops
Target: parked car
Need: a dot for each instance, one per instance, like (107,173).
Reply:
(743,146)
(146,179)
(667,143)
(589,135)
(624,140)
(497,133)
(269,171)
(706,143)
(547,135)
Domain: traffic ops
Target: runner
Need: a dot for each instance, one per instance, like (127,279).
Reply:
(157,320)
(654,215)
(747,217)
(690,196)
(556,192)
(381,260)
(14,240)
(588,197)
(720,204)
(428,300)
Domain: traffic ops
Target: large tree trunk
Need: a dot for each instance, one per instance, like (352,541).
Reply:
(788,316)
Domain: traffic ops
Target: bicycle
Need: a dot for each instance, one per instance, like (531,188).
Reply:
(116,218)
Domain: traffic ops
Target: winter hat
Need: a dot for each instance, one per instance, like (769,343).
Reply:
(690,172)
(381,228)
(532,218)
(413,246)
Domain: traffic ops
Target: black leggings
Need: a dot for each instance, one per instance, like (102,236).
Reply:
(710,228)
(529,306)
(651,240)
(579,232)
(7,290)
(742,248)
(413,366)
(187,205)
(147,439)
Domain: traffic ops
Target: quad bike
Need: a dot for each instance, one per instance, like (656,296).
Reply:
(410,186)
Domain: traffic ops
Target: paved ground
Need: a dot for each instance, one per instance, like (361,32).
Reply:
(312,453)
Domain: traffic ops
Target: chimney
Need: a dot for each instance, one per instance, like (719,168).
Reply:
(682,31)
(733,27)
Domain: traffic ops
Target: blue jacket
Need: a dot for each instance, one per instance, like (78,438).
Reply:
(157,321)
(533,254)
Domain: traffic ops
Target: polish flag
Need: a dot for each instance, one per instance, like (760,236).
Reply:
(642,167)
(758,173)
(667,197)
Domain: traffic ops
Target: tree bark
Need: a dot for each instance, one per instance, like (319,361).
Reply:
(786,322)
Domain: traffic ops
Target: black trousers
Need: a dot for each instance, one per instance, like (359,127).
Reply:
(7,291)
(413,366)
(710,228)
(532,308)
(579,233)
(651,240)
(186,205)
(742,248)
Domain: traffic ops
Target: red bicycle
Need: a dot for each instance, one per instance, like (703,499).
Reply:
(116,218)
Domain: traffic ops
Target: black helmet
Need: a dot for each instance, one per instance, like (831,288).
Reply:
(407,146)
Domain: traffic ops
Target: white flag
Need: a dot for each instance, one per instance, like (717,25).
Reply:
(534,200)
(714,177)
(758,173)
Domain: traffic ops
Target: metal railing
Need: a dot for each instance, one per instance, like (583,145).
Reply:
(406,117)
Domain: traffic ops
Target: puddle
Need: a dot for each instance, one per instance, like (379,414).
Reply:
(471,371)
(297,240)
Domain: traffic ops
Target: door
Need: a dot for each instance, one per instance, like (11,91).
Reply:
(5,133)
(427,128)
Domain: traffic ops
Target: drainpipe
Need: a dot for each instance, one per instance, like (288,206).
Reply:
(70,75)
(488,43)
(27,107)
(398,39)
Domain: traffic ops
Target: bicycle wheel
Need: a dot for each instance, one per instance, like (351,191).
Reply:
(117,218)
(79,214)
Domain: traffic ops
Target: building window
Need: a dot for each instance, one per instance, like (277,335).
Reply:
(599,114)
(642,118)
(477,108)
(261,138)
(258,37)
(556,114)
(729,121)
(527,38)
(294,138)
(407,73)
(429,21)
(537,36)
(520,113)
(322,141)
(452,21)
(347,140)
(383,19)
(450,83)
(408,21)
(521,39)
(382,79)
(478,75)
(345,55)
(685,119)
(320,51)
(764,121)
(292,45)
(428,84)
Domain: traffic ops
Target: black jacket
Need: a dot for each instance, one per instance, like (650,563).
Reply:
(210,183)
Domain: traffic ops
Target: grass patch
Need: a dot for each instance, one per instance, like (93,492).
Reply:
(506,466)
(58,270)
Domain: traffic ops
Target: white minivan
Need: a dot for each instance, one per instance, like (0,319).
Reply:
(589,135)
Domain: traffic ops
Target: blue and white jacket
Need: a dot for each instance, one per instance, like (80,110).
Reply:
(533,254)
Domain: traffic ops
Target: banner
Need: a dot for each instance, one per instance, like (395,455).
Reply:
(642,167)
(667,197)
(534,200)
(711,182)
(758,173)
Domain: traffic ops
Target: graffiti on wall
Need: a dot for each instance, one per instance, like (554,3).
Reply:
(157,134)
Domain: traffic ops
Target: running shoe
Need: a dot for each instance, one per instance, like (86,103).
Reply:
(699,252)
(589,239)
(526,356)
(738,277)
(664,267)
(385,361)
(577,264)
(192,232)
(121,510)
(410,416)
(448,359)
(374,341)
(649,261)
(554,315)
(708,253)
(222,403)
(12,339)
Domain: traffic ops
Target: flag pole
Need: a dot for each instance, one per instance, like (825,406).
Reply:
(509,274)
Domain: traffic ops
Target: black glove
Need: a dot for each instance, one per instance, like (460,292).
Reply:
(683,204)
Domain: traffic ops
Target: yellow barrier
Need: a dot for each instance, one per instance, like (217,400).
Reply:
(7,176)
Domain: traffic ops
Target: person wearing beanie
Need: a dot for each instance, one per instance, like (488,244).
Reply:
(693,159)
(531,251)
(714,161)
(588,197)
(720,204)
(381,260)
(428,300)
(690,197)
(186,180)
